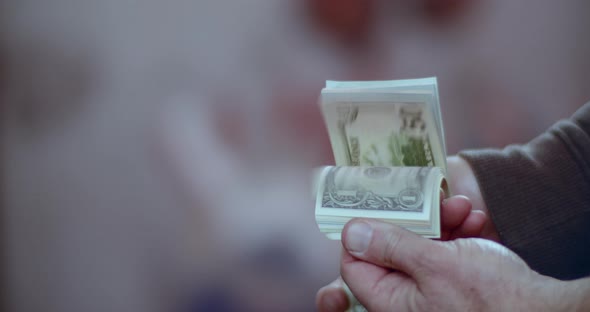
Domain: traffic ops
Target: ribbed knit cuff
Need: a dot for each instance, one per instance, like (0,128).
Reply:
(538,203)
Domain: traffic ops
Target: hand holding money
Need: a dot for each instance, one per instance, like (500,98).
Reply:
(458,220)
(388,143)
(391,269)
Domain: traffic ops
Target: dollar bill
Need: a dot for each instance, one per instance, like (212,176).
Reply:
(385,123)
(406,196)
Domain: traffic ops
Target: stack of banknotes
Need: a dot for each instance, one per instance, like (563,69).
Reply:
(389,147)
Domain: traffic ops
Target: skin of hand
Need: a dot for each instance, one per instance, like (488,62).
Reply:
(462,181)
(391,269)
(462,217)
(458,219)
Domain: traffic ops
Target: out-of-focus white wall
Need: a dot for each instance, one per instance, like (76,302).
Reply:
(156,154)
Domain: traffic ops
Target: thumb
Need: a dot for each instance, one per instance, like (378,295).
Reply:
(390,246)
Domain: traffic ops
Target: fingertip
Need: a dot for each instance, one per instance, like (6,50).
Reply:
(478,218)
(458,200)
(455,210)
(332,298)
(479,213)
(474,224)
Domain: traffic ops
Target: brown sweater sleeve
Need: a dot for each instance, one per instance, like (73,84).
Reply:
(538,196)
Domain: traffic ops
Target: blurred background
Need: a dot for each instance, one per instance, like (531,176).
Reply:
(156,154)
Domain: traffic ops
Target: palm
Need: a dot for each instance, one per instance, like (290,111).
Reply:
(458,279)
(461,278)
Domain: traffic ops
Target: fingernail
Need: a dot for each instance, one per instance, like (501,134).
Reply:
(358,237)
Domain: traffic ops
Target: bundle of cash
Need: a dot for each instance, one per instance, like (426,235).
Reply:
(388,144)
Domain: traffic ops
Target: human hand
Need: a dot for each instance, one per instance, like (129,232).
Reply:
(458,219)
(390,269)
(462,181)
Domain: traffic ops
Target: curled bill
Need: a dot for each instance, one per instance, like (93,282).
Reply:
(406,196)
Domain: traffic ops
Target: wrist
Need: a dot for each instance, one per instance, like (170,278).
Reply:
(576,295)
(560,296)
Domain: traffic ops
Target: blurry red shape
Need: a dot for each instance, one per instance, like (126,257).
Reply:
(347,20)
(445,11)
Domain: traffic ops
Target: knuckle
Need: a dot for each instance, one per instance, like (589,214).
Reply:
(392,243)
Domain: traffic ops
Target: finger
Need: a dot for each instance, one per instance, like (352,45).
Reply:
(389,246)
(375,287)
(472,226)
(332,297)
(454,211)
